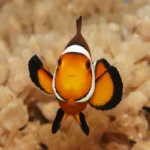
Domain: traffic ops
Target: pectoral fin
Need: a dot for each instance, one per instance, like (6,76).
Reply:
(108,88)
(40,75)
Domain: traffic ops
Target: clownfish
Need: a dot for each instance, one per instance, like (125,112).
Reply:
(78,81)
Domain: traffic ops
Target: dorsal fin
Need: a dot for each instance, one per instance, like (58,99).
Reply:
(78,38)
(79,24)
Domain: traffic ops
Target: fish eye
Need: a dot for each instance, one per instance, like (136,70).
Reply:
(59,62)
(88,64)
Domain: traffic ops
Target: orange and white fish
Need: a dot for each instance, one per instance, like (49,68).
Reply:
(77,81)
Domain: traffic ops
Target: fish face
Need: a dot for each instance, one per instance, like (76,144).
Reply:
(73,77)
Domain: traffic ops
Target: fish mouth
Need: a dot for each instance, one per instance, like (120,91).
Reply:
(70,75)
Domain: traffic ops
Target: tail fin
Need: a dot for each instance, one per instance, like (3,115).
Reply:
(79,24)
(78,38)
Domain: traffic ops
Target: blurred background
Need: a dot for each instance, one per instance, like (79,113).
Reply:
(117,30)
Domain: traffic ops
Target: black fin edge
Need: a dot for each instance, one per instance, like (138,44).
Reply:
(84,125)
(104,61)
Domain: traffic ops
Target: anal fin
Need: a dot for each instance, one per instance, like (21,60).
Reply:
(80,118)
(60,117)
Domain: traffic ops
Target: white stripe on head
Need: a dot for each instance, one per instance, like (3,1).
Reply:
(81,50)
(77,49)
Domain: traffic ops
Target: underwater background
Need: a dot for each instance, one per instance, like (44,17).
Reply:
(117,30)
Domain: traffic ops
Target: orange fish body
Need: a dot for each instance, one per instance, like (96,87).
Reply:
(77,81)
(77,85)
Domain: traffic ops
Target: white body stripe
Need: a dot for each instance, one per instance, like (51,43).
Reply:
(54,88)
(89,95)
(77,49)
(81,50)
